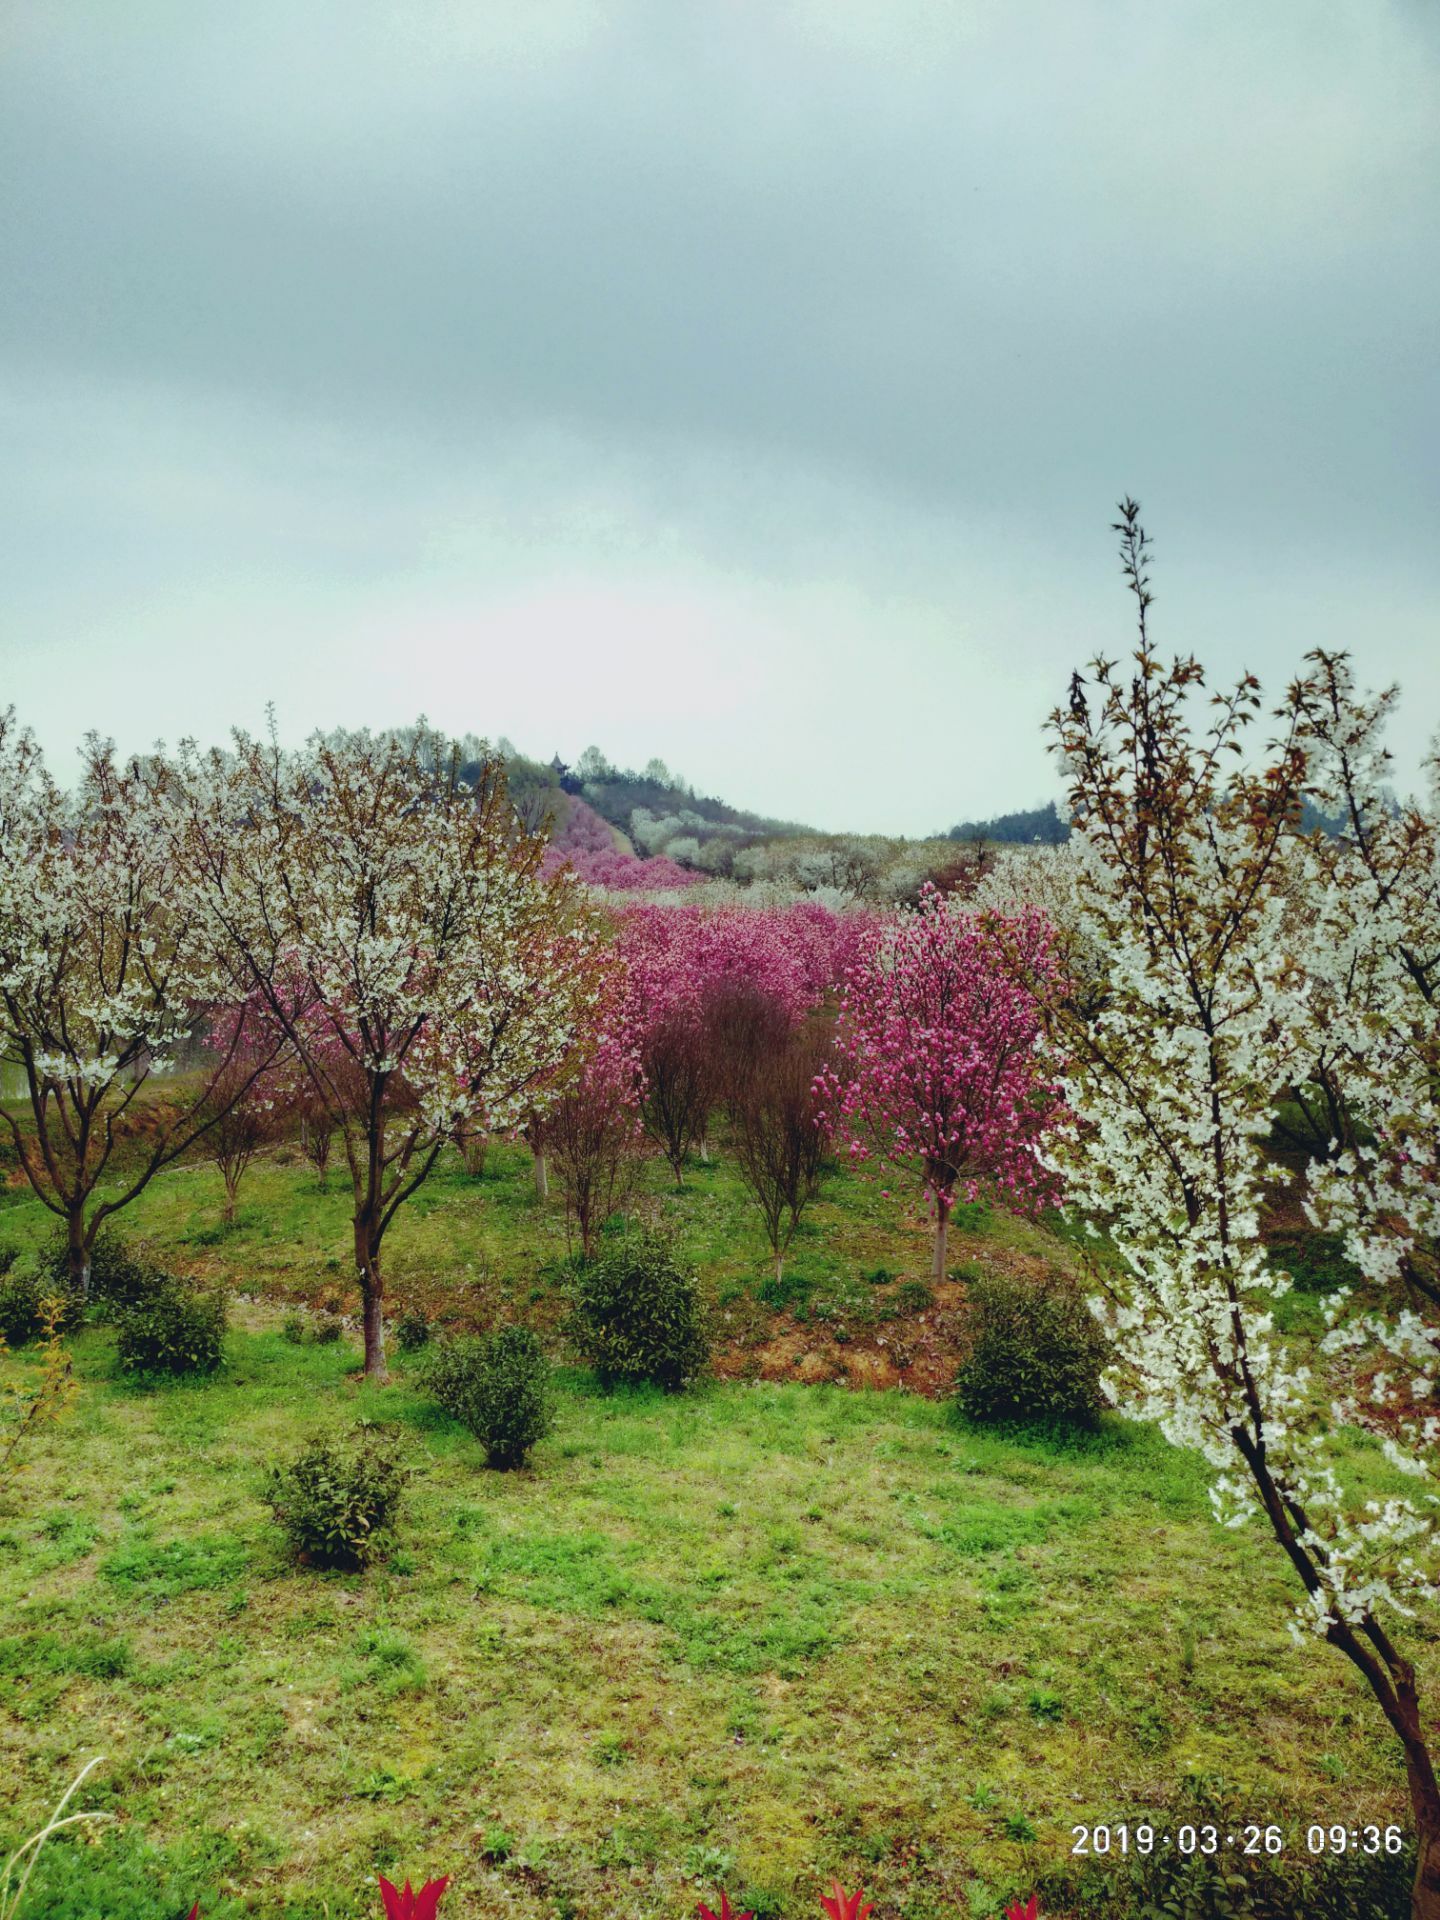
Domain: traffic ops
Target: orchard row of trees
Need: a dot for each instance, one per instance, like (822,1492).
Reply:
(371,939)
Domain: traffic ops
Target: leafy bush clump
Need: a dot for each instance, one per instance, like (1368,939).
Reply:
(1316,1263)
(1035,1353)
(292,1328)
(329,1327)
(175,1328)
(638,1315)
(23,1299)
(412,1332)
(336,1499)
(499,1388)
(119,1277)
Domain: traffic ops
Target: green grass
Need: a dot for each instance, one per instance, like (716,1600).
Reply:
(761,1633)
(799,1630)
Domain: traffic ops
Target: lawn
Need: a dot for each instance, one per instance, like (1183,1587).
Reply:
(757,1634)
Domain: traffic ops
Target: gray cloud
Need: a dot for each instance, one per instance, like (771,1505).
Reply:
(320,311)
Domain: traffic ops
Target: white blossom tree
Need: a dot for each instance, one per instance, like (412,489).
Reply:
(389,920)
(1217,997)
(106,964)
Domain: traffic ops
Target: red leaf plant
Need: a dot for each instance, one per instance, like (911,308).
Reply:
(727,1912)
(405,1905)
(845,1906)
(1030,1910)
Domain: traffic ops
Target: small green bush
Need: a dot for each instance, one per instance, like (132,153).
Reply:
(23,1298)
(638,1315)
(175,1328)
(1316,1262)
(1035,1353)
(499,1388)
(119,1277)
(336,1499)
(329,1327)
(292,1328)
(412,1332)
(914,1296)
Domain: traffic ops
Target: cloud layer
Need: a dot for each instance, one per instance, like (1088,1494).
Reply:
(747,385)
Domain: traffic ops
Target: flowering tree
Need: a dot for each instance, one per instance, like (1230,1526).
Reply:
(1373,956)
(245,1096)
(935,1067)
(106,965)
(586,843)
(592,1133)
(779,1134)
(391,918)
(714,993)
(1218,995)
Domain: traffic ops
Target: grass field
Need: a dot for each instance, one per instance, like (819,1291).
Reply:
(757,1634)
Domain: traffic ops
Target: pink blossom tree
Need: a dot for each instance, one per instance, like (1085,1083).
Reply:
(586,844)
(592,1134)
(935,1068)
(712,994)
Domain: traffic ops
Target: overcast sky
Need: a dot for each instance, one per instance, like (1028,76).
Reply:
(748,384)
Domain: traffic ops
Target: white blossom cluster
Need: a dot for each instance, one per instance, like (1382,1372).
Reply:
(1228,973)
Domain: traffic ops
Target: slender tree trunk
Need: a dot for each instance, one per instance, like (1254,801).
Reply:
(942,1237)
(231,1183)
(1425,1895)
(779,1267)
(77,1252)
(542,1176)
(372,1294)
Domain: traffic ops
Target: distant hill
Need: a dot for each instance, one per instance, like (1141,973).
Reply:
(1042,824)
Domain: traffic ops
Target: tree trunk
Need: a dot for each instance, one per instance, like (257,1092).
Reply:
(372,1294)
(1425,1894)
(542,1177)
(1425,1799)
(779,1268)
(231,1183)
(77,1253)
(942,1238)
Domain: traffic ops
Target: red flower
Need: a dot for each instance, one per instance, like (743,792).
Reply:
(727,1912)
(194,1913)
(1030,1910)
(412,1906)
(845,1906)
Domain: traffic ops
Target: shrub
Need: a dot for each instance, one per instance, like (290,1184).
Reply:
(175,1328)
(22,1304)
(336,1499)
(499,1388)
(119,1277)
(329,1327)
(7,1260)
(412,1332)
(292,1328)
(1035,1353)
(638,1315)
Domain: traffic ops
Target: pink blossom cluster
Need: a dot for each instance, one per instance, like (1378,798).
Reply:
(677,957)
(935,1068)
(586,844)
